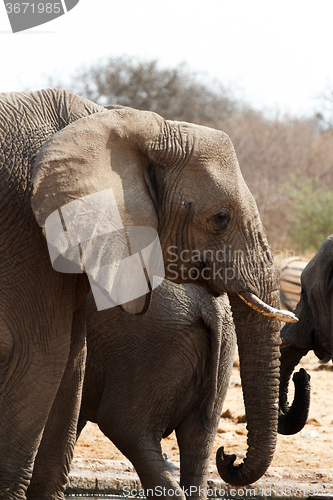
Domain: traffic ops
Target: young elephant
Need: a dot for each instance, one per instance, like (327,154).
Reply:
(314,331)
(148,375)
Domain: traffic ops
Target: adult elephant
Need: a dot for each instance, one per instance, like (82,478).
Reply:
(313,331)
(179,178)
(148,375)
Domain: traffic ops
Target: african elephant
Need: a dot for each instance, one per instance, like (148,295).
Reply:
(148,375)
(178,178)
(314,330)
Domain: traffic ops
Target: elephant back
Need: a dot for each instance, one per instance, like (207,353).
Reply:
(290,270)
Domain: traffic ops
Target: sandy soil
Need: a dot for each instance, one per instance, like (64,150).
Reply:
(310,449)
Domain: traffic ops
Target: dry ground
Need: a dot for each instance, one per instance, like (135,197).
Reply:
(310,449)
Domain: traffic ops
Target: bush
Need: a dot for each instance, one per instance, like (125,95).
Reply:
(311,212)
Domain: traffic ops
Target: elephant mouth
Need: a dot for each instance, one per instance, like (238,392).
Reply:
(321,347)
(322,354)
(321,351)
(260,306)
(211,291)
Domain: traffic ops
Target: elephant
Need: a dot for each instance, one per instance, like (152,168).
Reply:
(179,179)
(313,331)
(148,375)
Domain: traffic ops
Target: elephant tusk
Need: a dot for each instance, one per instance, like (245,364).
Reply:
(284,344)
(258,305)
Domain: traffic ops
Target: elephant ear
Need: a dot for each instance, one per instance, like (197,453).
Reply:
(91,199)
(213,315)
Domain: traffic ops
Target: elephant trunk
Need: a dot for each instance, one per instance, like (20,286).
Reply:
(292,419)
(259,369)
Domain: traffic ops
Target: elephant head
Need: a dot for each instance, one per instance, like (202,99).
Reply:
(183,180)
(314,331)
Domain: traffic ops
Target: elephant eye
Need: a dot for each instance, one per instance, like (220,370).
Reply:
(219,222)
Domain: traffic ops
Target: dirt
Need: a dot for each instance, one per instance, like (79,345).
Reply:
(311,449)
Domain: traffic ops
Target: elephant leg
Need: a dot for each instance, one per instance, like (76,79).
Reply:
(26,380)
(156,477)
(52,463)
(145,455)
(196,433)
(195,438)
(32,364)
(141,446)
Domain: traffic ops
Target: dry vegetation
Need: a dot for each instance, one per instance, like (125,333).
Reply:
(269,152)
(269,149)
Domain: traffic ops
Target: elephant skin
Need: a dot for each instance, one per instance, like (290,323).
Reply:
(180,179)
(314,330)
(148,375)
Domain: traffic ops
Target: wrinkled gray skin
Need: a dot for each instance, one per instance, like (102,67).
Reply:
(148,375)
(314,331)
(181,179)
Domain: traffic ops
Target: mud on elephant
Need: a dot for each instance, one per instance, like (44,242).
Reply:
(178,178)
(148,375)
